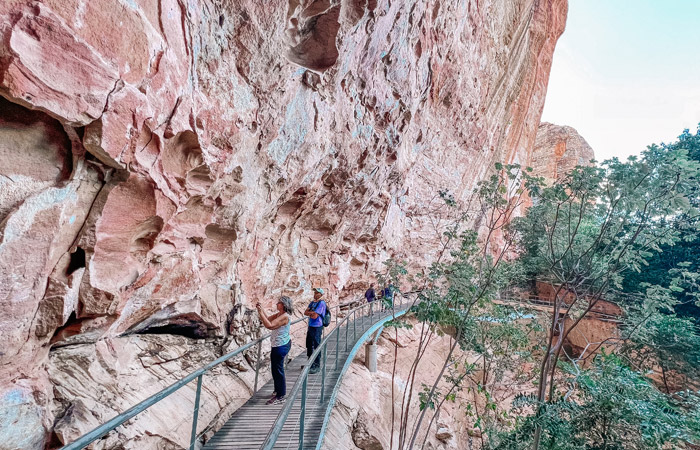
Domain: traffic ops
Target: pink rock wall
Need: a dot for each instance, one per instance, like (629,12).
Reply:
(168,163)
(558,149)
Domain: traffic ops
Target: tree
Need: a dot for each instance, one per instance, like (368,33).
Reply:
(585,232)
(658,266)
(467,274)
(583,235)
(658,340)
(609,406)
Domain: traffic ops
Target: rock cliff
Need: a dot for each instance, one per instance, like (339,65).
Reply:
(558,149)
(166,163)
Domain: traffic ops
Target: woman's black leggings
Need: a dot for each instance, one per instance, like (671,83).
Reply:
(277,366)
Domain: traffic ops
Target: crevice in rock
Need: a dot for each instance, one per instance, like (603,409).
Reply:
(36,154)
(291,208)
(144,236)
(77,261)
(221,234)
(352,11)
(189,325)
(182,153)
(70,328)
(188,330)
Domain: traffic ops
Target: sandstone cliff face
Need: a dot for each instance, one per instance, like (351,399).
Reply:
(558,149)
(166,164)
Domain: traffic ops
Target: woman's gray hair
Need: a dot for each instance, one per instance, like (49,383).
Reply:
(286,303)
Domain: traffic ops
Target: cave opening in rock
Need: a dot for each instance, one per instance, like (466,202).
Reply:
(189,325)
(77,261)
(188,329)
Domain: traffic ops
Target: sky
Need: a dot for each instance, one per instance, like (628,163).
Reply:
(626,73)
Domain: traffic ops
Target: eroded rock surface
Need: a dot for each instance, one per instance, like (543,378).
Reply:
(558,149)
(166,164)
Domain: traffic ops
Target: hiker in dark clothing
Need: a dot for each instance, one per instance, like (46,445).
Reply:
(387,296)
(370,295)
(315,311)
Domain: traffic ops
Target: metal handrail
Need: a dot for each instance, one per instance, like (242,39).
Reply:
(302,380)
(606,317)
(88,438)
(373,329)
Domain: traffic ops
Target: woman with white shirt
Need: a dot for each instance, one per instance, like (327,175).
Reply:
(281,343)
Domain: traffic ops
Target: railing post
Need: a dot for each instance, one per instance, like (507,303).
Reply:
(337,346)
(354,326)
(303,414)
(257,367)
(193,438)
(347,328)
(323,371)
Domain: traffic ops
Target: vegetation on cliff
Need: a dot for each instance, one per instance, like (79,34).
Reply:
(611,242)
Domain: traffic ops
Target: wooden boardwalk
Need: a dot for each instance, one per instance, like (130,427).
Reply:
(249,425)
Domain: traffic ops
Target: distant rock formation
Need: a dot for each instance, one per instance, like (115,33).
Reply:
(166,164)
(558,149)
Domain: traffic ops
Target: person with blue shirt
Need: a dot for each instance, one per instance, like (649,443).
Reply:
(281,342)
(315,312)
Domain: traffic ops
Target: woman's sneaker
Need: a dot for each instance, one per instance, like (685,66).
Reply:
(276,401)
(274,396)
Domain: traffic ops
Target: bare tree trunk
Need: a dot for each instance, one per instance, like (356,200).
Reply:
(432,390)
(393,377)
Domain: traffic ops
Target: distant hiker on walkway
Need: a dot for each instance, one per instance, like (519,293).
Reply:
(316,311)
(370,295)
(281,342)
(387,296)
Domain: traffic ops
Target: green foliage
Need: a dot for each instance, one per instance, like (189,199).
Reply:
(599,223)
(609,406)
(656,337)
(658,266)
(584,234)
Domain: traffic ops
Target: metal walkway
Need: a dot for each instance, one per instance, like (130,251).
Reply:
(301,421)
(250,424)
